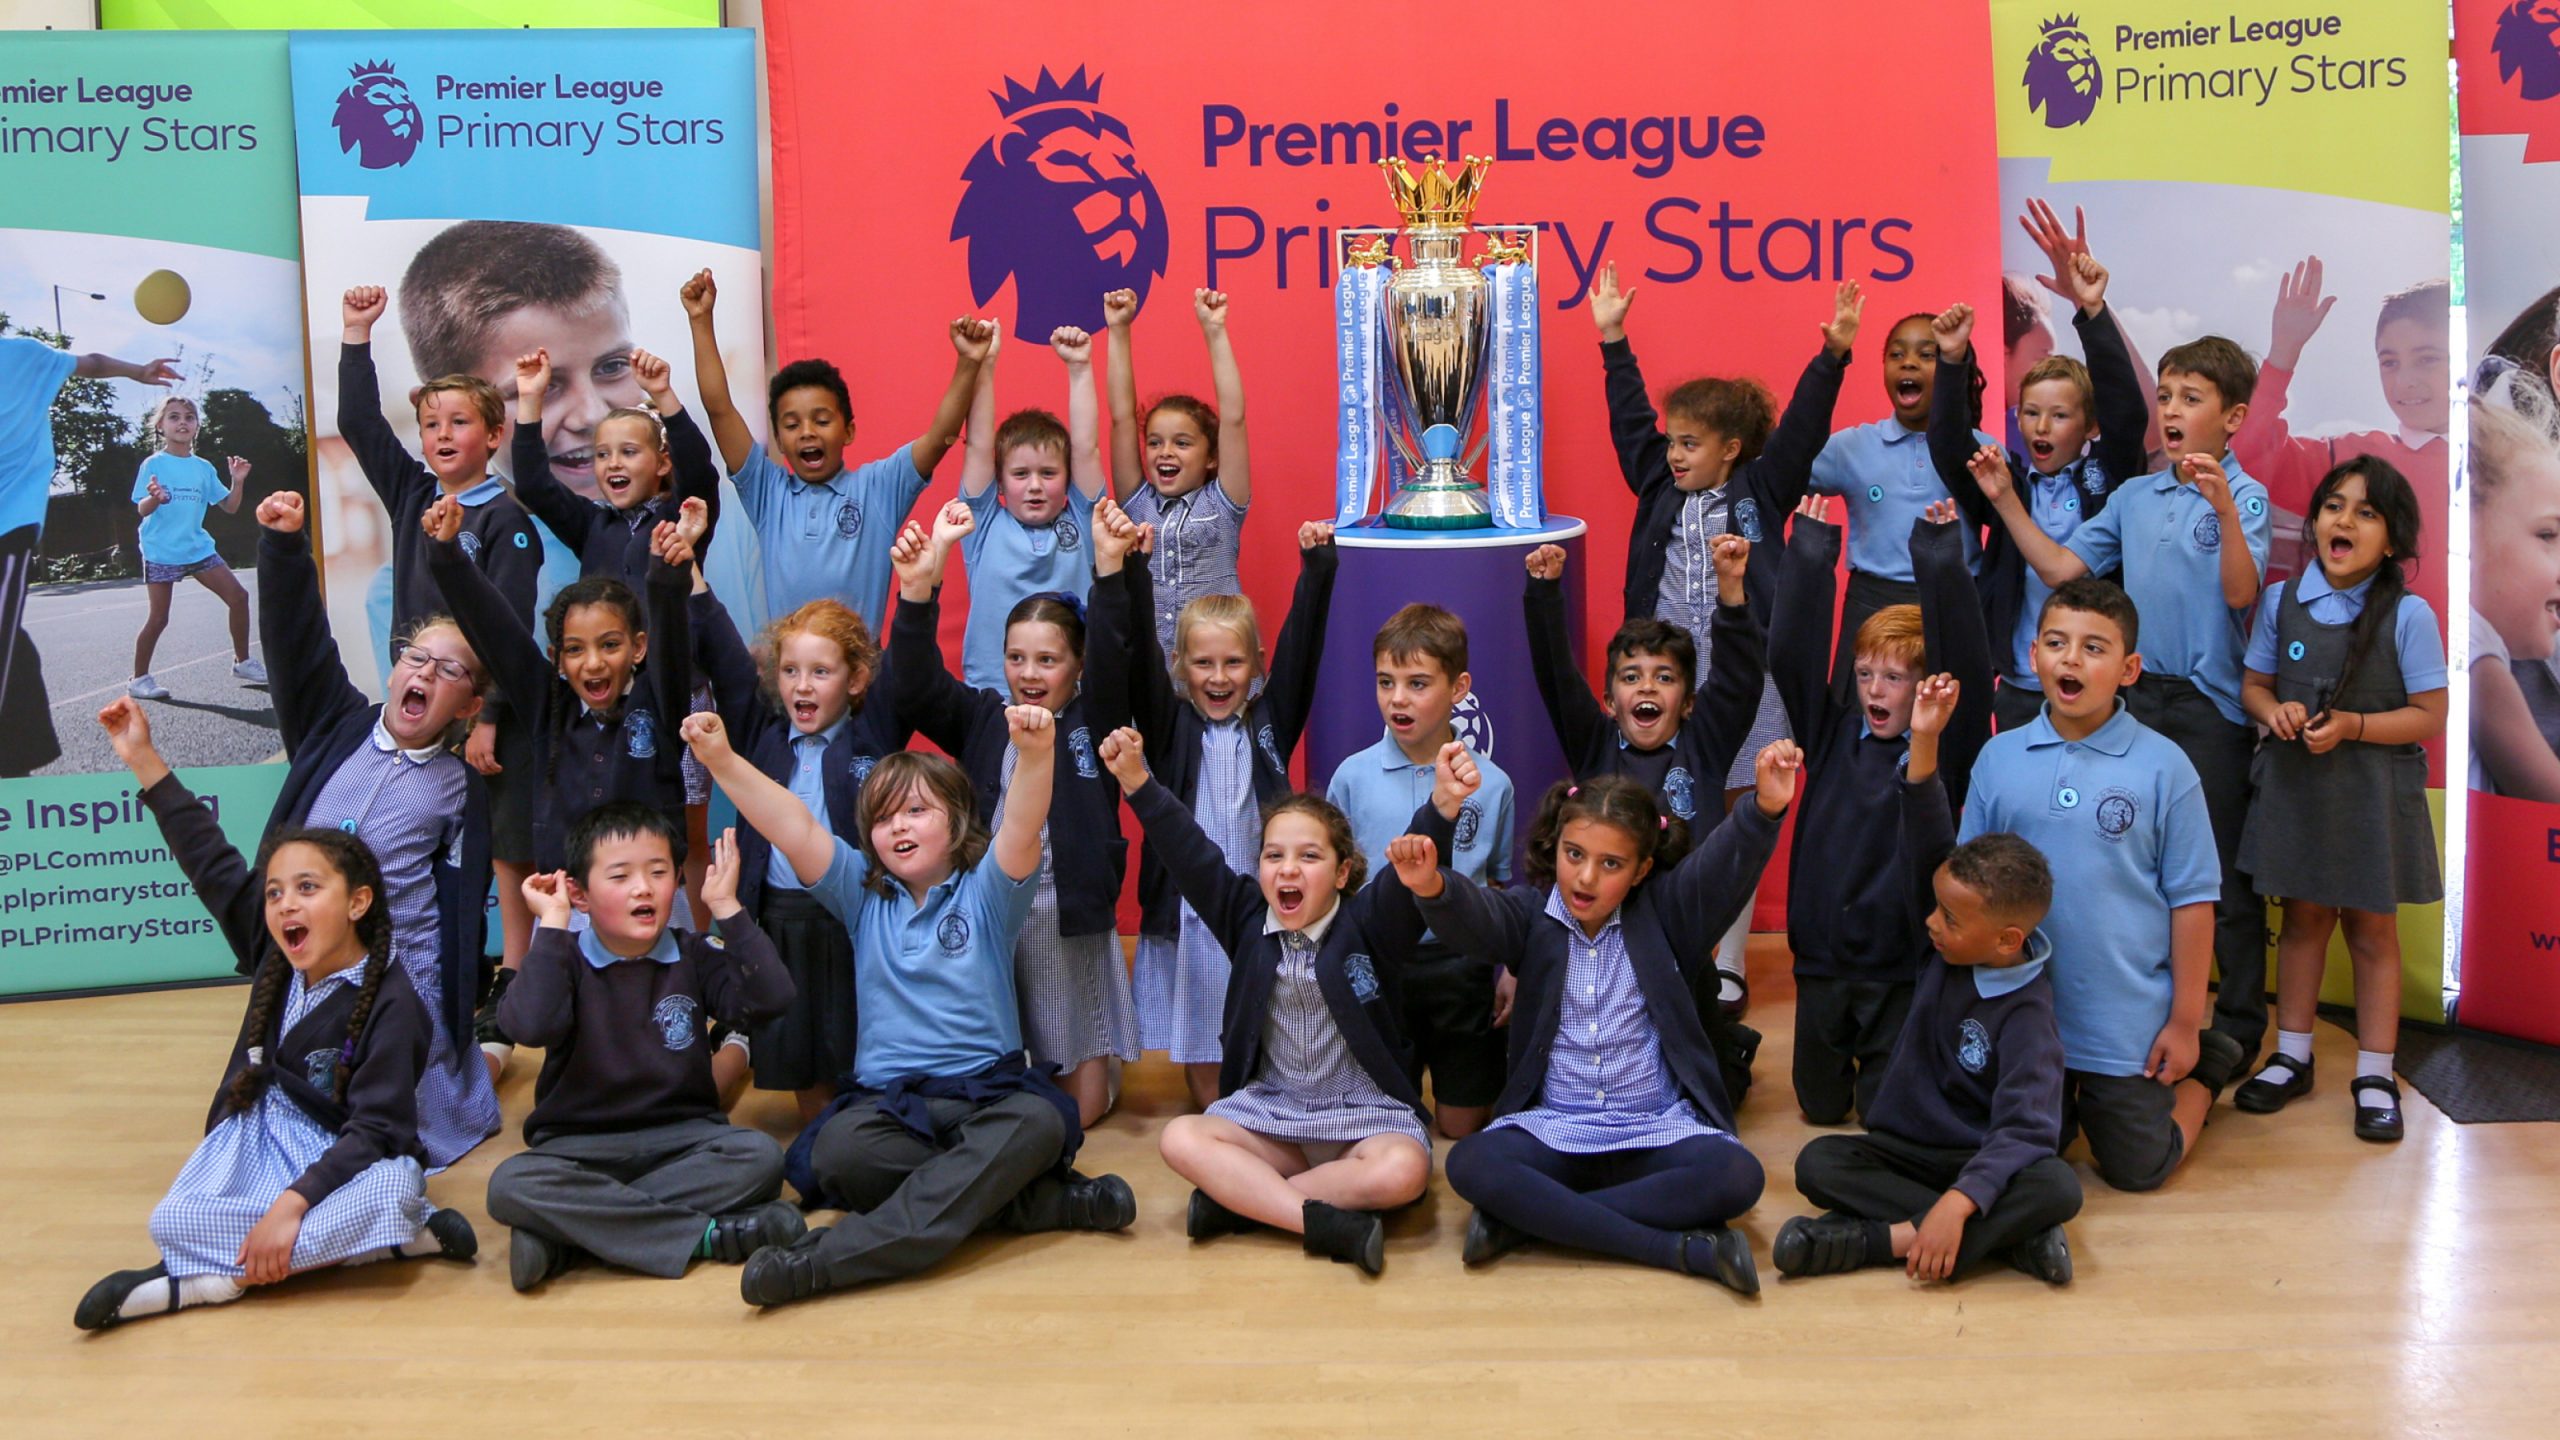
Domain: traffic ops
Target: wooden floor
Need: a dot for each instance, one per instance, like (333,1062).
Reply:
(2291,1282)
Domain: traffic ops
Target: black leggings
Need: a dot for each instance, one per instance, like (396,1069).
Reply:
(1634,1204)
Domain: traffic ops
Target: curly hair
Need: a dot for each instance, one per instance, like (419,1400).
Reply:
(829,620)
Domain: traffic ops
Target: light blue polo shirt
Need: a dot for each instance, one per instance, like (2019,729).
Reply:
(809,784)
(1883,470)
(2169,542)
(1378,790)
(2055,502)
(31,372)
(829,541)
(936,980)
(2413,630)
(174,533)
(1009,560)
(2121,820)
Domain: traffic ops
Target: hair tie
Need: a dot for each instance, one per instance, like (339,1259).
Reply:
(1662,822)
(1068,598)
(1572,790)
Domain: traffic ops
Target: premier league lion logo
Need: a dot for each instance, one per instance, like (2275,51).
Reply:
(1473,724)
(677,1028)
(2063,77)
(1057,201)
(2527,43)
(377,119)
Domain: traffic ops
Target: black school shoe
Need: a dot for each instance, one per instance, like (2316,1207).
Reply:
(741,1233)
(531,1259)
(102,1308)
(1100,1202)
(2262,1096)
(1489,1238)
(455,1238)
(2045,1255)
(2378,1123)
(1740,1004)
(484,1021)
(1208,1219)
(1350,1237)
(1821,1245)
(2219,1060)
(1727,1260)
(780,1274)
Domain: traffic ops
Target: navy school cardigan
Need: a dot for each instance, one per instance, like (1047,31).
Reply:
(615,542)
(760,731)
(2116,455)
(323,718)
(1358,968)
(1671,922)
(636,755)
(1086,851)
(1849,902)
(1126,684)
(377,1119)
(1765,489)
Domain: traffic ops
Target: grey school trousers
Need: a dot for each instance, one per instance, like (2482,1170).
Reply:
(640,1199)
(909,1202)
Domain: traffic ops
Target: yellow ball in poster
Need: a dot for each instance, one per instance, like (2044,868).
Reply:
(163,297)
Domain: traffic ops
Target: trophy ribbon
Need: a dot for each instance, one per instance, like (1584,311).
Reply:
(1515,422)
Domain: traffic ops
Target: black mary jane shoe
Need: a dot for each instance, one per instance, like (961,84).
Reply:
(1489,1238)
(103,1307)
(2262,1096)
(2378,1123)
(1740,1004)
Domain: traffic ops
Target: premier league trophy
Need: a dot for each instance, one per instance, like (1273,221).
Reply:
(1421,342)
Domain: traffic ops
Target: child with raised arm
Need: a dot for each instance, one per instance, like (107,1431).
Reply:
(629,1158)
(1665,725)
(2082,427)
(2118,813)
(1729,464)
(310,1155)
(1856,937)
(31,374)
(1182,467)
(2192,542)
(824,531)
(387,774)
(1077,1012)
(1319,1121)
(1615,1132)
(943,1128)
(648,460)
(807,717)
(1031,482)
(1220,729)
(2346,673)
(171,493)
(1958,1164)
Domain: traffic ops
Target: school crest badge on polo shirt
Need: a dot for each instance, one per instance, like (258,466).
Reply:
(1363,977)
(1746,519)
(2116,812)
(1070,535)
(2208,531)
(320,1067)
(953,932)
(677,1027)
(1470,820)
(1680,791)
(1080,745)
(849,518)
(640,734)
(1973,1046)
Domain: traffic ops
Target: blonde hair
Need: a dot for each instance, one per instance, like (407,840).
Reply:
(2509,439)
(1231,613)
(151,422)
(2064,368)
(479,394)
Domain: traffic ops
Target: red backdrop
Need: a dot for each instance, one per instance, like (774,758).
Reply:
(1734,159)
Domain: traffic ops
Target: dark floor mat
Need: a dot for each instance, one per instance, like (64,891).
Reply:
(2481,1079)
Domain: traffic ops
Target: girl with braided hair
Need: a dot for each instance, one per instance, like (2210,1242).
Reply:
(311,1154)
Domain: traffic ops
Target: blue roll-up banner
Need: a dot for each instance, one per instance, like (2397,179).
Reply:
(516,189)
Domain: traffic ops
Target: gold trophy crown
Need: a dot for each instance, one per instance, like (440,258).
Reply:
(1436,199)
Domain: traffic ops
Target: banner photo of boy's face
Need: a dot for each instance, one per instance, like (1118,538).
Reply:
(467,298)
(151,395)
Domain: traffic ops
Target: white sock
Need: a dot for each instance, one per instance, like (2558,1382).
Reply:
(2294,1044)
(1731,948)
(2373,1062)
(151,1297)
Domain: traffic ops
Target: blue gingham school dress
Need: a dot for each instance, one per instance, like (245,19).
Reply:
(1074,989)
(1182,982)
(245,1162)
